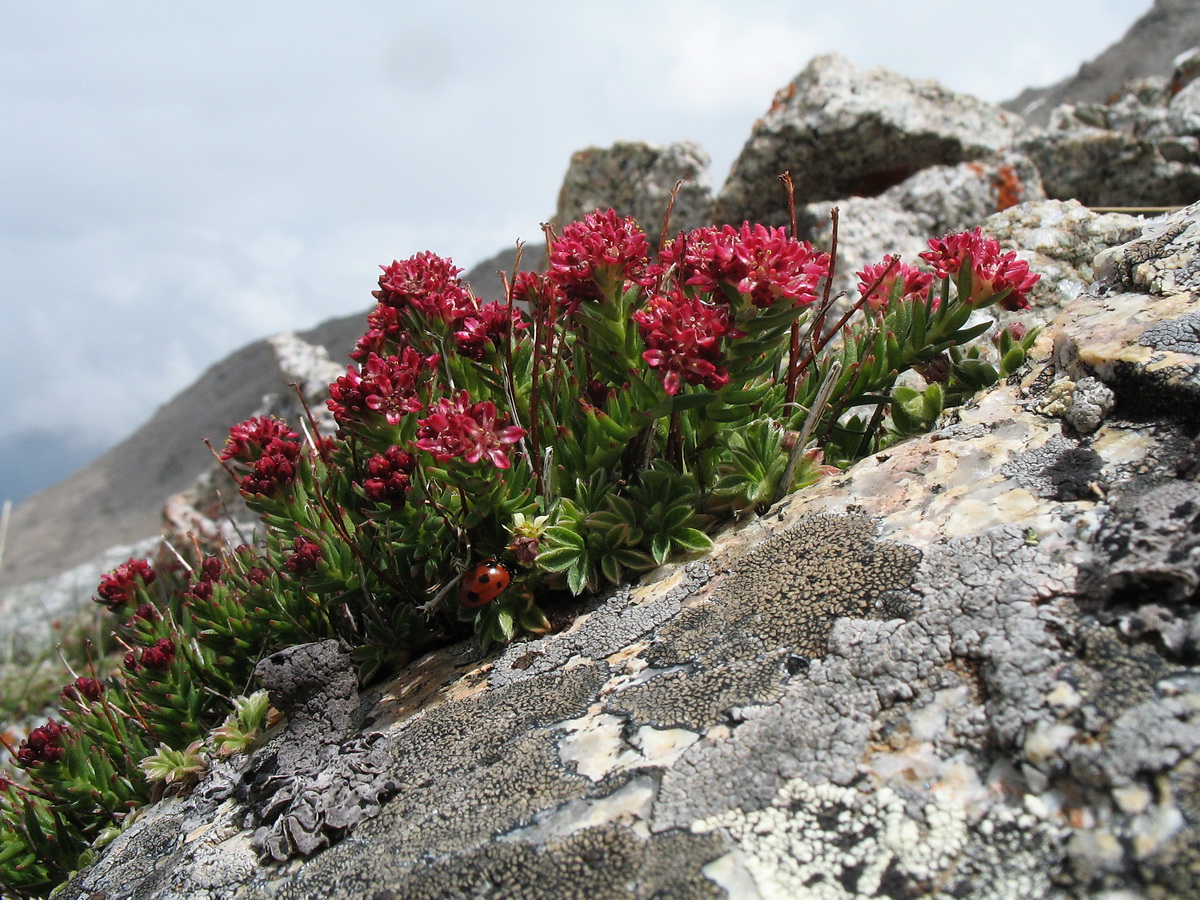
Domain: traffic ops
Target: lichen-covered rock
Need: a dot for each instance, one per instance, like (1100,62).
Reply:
(1102,167)
(842,131)
(1060,239)
(636,179)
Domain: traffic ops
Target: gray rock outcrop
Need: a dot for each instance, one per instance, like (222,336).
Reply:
(636,179)
(842,131)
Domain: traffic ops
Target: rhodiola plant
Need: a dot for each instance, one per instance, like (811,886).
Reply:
(491,459)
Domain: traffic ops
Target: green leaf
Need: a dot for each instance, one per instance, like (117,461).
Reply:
(692,540)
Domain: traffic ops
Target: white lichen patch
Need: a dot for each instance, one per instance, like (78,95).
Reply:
(595,745)
(826,842)
(1057,399)
(1046,741)
(628,805)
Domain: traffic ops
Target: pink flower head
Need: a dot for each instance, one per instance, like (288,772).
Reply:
(248,440)
(384,332)
(902,282)
(491,324)
(458,429)
(764,263)
(304,558)
(43,745)
(995,276)
(389,476)
(683,339)
(386,386)
(89,689)
(599,253)
(427,283)
(118,588)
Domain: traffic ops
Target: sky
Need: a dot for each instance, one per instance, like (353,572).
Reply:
(180,179)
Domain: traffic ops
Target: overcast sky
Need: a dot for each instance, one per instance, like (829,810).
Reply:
(182,178)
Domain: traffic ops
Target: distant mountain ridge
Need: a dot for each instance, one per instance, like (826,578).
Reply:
(1147,48)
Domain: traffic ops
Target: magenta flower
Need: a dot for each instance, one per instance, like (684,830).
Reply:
(491,324)
(389,476)
(761,262)
(385,333)
(914,284)
(594,256)
(43,745)
(274,470)
(269,449)
(458,429)
(683,339)
(247,440)
(118,588)
(995,276)
(386,386)
(428,284)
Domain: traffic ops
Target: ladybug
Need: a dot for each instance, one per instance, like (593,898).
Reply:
(483,584)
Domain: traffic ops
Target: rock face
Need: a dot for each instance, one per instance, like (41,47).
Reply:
(637,179)
(842,131)
(961,669)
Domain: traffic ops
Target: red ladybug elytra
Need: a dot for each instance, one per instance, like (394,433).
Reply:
(483,584)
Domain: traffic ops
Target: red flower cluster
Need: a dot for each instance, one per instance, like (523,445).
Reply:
(384,331)
(683,339)
(43,745)
(386,386)
(597,254)
(493,322)
(913,283)
(270,448)
(427,283)
(210,572)
(247,439)
(389,476)
(157,657)
(995,276)
(118,588)
(761,262)
(305,557)
(460,429)
(88,689)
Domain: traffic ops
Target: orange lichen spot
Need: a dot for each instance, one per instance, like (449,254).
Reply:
(1009,189)
(782,96)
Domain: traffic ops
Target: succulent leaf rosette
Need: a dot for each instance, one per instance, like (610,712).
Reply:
(491,460)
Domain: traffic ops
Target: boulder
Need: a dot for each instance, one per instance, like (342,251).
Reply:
(961,668)
(842,132)
(636,179)
(1104,167)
